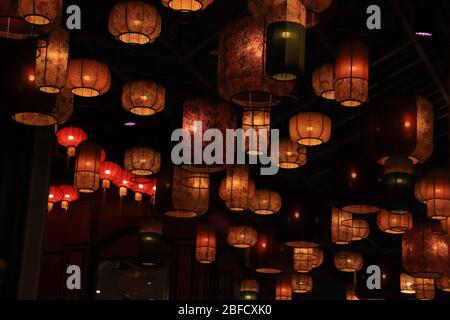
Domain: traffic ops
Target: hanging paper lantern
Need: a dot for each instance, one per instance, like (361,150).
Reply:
(200,115)
(267,255)
(144,186)
(88,78)
(317,6)
(265,202)
(425,253)
(351,293)
(206,244)
(398,165)
(223,190)
(40,12)
(108,172)
(352,74)
(142,161)
(310,129)
(348,261)
(242,237)
(123,182)
(283,289)
(407,284)
(307,259)
(424,288)
(360,229)
(394,223)
(340,233)
(323,81)
(242,77)
(237,188)
(400,127)
(52,62)
(55,195)
(434,191)
(443,283)
(301,283)
(143,98)
(135,22)
(256,127)
(286,39)
(187,5)
(292,156)
(70,194)
(249,289)
(87,167)
(70,138)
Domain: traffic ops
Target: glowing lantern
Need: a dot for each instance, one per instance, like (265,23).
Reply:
(348,261)
(144,186)
(135,22)
(306,259)
(283,288)
(292,156)
(249,289)
(88,78)
(301,283)
(407,284)
(424,252)
(142,161)
(424,288)
(87,167)
(52,62)
(70,138)
(443,283)
(434,191)
(206,244)
(267,256)
(265,202)
(394,223)
(237,188)
(143,98)
(223,190)
(256,127)
(340,233)
(310,129)
(40,12)
(187,5)
(70,194)
(360,229)
(242,77)
(351,293)
(242,237)
(352,74)
(123,182)
(55,195)
(108,172)
(323,81)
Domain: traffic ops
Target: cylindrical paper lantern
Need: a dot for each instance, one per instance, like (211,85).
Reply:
(187,5)
(306,259)
(70,194)
(142,161)
(360,229)
(108,172)
(424,288)
(88,78)
(249,289)
(292,156)
(341,234)
(40,12)
(352,74)
(206,244)
(348,261)
(407,284)
(70,138)
(283,288)
(237,188)
(135,22)
(310,129)
(323,81)
(256,127)
(265,202)
(301,283)
(143,98)
(144,186)
(242,236)
(55,195)
(267,255)
(434,191)
(87,167)
(394,223)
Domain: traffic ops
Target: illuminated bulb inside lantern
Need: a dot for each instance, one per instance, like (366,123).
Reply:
(70,138)
(407,124)
(297,215)
(138,196)
(51,196)
(31,77)
(86,78)
(65,204)
(354,175)
(108,172)
(285,34)
(310,129)
(49,206)
(154,188)
(263,245)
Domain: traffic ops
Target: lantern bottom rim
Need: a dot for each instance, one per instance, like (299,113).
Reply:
(50,89)
(34,119)
(143,111)
(283,76)
(288,165)
(37,19)
(181,214)
(85,92)
(264,212)
(362,209)
(195,6)
(310,142)
(302,244)
(329,95)
(134,38)
(268,270)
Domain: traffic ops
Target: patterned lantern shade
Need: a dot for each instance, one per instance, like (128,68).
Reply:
(88,78)
(135,22)
(434,191)
(258,140)
(237,188)
(242,76)
(249,289)
(242,236)
(348,261)
(360,229)
(317,6)
(301,283)
(283,289)
(443,283)
(292,156)
(265,202)
(87,167)
(400,127)
(70,138)
(190,194)
(187,5)
(40,12)
(142,161)
(143,98)
(310,129)
(340,233)
(424,252)
(407,284)
(52,62)
(424,288)
(223,190)
(351,293)
(212,114)
(394,223)
(55,195)
(323,81)
(70,194)
(123,181)
(108,172)
(352,74)
(307,259)
(206,244)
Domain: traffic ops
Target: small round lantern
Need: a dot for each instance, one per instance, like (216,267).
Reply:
(434,191)
(292,156)
(348,261)
(242,237)
(187,5)
(142,161)
(265,202)
(323,81)
(143,98)
(394,223)
(55,195)
(71,137)
(40,12)
(301,283)
(70,194)
(108,172)
(87,167)
(310,129)
(249,289)
(206,244)
(407,284)
(424,288)
(88,78)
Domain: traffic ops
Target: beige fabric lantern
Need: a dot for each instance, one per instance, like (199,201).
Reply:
(310,129)
(301,283)
(142,161)
(135,22)
(360,229)
(242,237)
(40,12)
(265,202)
(407,284)
(237,188)
(307,259)
(434,191)
(348,261)
(88,78)
(187,5)
(256,141)
(143,98)
(394,223)
(340,233)
(424,288)
(323,81)
(292,156)
(87,167)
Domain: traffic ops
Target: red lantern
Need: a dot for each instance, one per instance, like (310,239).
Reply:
(123,181)
(70,138)
(206,244)
(143,186)
(55,195)
(70,194)
(108,172)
